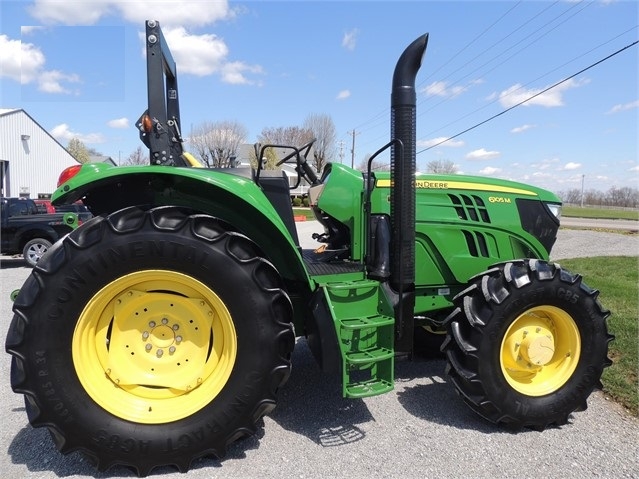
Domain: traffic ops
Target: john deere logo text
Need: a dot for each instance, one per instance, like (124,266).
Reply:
(431,184)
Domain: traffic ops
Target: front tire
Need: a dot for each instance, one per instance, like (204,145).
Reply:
(527,344)
(151,338)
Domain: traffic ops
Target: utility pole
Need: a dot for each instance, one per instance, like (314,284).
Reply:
(582,190)
(341,151)
(353,132)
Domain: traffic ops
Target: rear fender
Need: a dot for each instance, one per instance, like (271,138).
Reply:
(234,198)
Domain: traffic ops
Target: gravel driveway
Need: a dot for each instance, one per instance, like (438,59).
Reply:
(421,429)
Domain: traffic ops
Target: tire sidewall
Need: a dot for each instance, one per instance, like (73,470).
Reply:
(84,273)
(583,309)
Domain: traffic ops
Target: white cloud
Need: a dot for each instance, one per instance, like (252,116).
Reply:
(634,168)
(199,55)
(522,128)
(196,54)
(233,73)
(571,166)
(545,164)
(119,123)
(62,132)
(52,82)
(349,40)
(489,171)
(19,61)
(24,62)
(552,98)
(624,107)
(539,174)
(342,95)
(482,154)
(171,12)
(440,139)
(205,54)
(441,88)
(28,29)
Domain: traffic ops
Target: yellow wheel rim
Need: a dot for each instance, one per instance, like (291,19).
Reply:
(540,351)
(154,346)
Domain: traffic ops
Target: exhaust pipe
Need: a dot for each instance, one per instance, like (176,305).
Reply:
(402,208)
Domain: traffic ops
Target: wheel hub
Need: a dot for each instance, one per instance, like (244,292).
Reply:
(155,340)
(154,346)
(537,348)
(540,350)
(162,336)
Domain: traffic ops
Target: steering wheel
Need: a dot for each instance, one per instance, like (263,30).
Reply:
(306,147)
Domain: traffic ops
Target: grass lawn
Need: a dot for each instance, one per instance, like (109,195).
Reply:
(617,280)
(601,213)
(307,212)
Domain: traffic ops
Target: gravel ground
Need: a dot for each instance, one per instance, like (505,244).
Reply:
(421,429)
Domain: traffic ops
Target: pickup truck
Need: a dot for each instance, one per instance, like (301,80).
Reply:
(26,232)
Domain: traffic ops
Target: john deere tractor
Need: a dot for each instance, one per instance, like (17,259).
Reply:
(161,330)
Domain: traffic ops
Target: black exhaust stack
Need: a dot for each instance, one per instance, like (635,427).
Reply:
(402,207)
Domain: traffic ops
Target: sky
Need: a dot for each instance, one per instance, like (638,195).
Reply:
(78,68)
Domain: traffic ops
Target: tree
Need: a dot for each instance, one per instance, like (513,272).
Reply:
(571,196)
(441,166)
(323,130)
(624,196)
(281,135)
(269,158)
(216,143)
(138,157)
(285,135)
(377,165)
(78,151)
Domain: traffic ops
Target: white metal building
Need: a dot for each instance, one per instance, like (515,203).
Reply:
(30,158)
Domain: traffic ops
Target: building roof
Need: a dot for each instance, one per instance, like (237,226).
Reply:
(6,111)
(9,111)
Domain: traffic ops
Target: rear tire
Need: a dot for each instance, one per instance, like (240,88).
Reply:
(527,344)
(151,338)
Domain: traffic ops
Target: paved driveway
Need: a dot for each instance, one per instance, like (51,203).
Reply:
(421,429)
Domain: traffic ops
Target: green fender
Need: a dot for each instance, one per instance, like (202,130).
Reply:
(233,197)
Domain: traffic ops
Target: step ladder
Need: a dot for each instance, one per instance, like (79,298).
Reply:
(365,335)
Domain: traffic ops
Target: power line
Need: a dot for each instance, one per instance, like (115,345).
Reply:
(524,85)
(534,40)
(380,117)
(531,97)
(384,113)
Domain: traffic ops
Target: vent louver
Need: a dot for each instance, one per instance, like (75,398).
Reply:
(470,208)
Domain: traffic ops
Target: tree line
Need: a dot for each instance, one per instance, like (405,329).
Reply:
(217,145)
(624,197)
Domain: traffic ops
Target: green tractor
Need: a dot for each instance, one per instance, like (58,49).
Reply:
(161,330)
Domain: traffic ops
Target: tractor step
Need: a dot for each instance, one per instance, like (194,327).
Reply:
(366,337)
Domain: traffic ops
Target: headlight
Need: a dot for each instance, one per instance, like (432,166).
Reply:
(555,209)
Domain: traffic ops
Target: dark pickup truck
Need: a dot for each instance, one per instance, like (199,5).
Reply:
(26,232)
